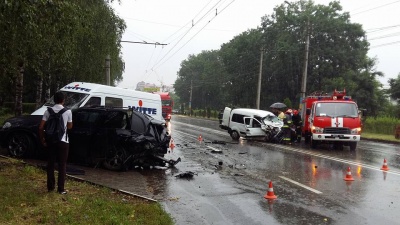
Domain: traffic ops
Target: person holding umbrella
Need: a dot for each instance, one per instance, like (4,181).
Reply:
(277,108)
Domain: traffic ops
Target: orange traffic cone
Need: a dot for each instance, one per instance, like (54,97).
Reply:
(348,177)
(385,166)
(200,138)
(172,145)
(270,193)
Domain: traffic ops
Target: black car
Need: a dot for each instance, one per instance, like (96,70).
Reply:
(115,138)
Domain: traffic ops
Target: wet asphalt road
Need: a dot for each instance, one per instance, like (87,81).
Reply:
(231,179)
(308,183)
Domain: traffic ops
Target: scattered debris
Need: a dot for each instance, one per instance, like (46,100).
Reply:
(219,142)
(188,175)
(216,151)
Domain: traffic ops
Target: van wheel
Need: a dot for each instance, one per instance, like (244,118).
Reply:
(235,135)
(353,146)
(20,145)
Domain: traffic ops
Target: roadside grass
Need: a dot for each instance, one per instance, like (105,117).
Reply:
(25,200)
(381,137)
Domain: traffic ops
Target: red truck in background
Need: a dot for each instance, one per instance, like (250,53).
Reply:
(333,119)
(167,105)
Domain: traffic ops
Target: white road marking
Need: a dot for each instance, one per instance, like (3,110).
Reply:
(336,159)
(301,185)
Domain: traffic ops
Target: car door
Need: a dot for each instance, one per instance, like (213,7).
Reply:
(104,135)
(253,127)
(81,135)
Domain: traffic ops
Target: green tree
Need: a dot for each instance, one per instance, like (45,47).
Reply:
(201,75)
(337,56)
(241,61)
(394,89)
(54,43)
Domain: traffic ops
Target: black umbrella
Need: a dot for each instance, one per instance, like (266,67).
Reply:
(278,105)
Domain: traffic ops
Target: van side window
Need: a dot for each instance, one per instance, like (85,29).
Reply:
(114,102)
(237,118)
(93,101)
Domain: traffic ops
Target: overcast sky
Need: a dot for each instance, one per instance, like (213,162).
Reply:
(170,22)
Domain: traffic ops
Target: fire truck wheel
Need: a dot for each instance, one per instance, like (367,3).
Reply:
(353,146)
(307,139)
(235,135)
(313,143)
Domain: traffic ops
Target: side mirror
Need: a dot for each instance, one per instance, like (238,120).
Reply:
(308,112)
(363,112)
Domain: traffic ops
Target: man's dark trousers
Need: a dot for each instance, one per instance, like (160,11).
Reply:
(58,150)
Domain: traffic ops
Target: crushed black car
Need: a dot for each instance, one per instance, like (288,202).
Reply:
(115,138)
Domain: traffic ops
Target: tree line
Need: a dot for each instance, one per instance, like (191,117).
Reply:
(46,44)
(337,59)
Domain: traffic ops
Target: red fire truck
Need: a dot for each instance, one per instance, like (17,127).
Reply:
(331,118)
(167,105)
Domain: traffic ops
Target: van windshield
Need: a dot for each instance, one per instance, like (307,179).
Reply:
(72,99)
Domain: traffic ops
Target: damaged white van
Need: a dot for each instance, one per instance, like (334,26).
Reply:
(79,94)
(244,122)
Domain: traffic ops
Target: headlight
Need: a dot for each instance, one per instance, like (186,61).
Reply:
(6,125)
(317,130)
(356,130)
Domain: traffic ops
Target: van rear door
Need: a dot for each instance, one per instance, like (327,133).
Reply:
(253,127)
(226,117)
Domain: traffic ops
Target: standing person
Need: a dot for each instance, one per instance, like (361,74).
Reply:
(59,148)
(296,118)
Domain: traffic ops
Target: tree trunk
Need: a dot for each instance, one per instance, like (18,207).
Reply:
(39,92)
(19,84)
(47,82)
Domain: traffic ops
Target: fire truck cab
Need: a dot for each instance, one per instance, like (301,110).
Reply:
(331,119)
(167,105)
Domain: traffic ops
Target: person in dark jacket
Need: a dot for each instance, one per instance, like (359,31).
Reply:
(297,122)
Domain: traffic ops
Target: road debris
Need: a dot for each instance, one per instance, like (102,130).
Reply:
(188,175)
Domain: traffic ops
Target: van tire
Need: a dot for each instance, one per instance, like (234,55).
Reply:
(235,135)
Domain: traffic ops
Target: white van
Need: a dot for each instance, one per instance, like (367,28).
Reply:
(243,122)
(79,94)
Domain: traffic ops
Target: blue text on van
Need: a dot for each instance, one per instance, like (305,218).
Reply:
(145,110)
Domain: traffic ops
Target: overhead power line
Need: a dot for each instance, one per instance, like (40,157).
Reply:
(192,37)
(144,42)
(386,44)
(375,8)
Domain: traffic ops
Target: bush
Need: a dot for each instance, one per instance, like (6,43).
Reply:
(381,125)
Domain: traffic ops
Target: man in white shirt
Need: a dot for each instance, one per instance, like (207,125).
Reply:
(59,149)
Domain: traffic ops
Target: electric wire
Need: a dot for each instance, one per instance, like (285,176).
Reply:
(375,8)
(181,38)
(152,69)
(192,36)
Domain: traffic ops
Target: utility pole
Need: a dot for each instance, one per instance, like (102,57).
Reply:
(304,78)
(108,70)
(190,100)
(259,80)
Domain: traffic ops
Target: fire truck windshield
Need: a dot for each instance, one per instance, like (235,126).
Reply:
(166,102)
(336,109)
